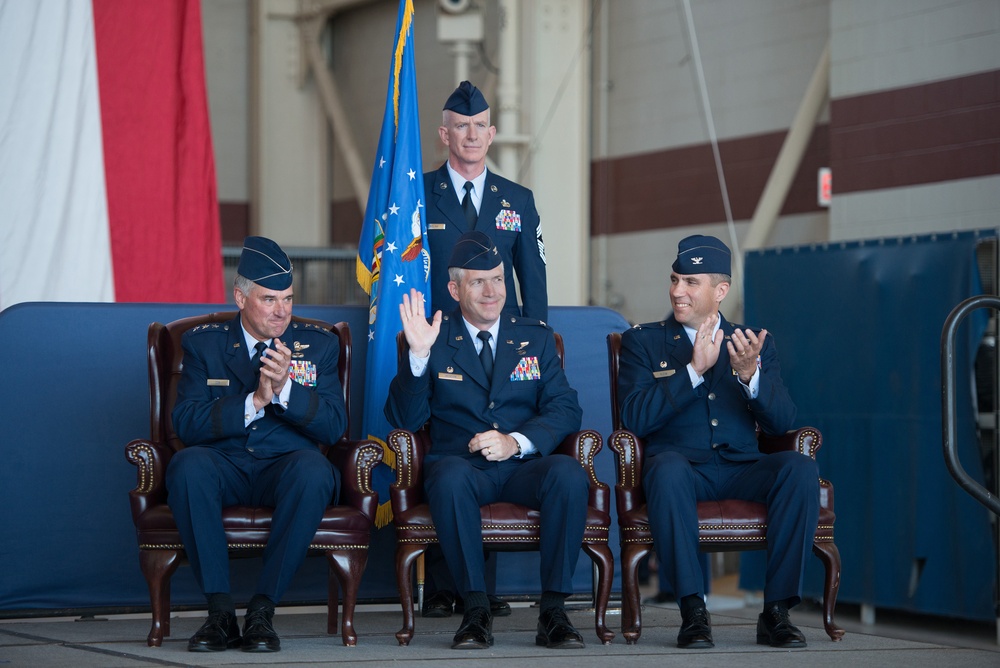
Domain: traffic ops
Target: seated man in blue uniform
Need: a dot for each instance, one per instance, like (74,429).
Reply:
(498,403)
(463,196)
(255,399)
(696,388)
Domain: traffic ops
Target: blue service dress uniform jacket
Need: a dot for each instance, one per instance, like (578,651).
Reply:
(208,416)
(529,394)
(659,405)
(700,444)
(508,216)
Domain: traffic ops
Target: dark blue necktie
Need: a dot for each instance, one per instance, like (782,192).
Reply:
(468,207)
(486,354)
(257,360)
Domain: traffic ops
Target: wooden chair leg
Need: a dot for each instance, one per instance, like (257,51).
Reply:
(632,554)
(157,567)
(332,595)
(830,556)
(600,553)
(406,554)
(349,565)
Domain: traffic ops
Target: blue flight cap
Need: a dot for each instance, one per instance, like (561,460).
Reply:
(466,100)
(475,250)
(264,263)
(700,254)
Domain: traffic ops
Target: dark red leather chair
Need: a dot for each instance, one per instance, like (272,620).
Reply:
(344,531)
(723,526)
(506,526)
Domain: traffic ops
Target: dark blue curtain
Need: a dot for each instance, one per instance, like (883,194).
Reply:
(858,328)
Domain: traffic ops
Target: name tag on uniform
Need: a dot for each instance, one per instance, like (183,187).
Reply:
(218,382)
(666,373)
(449,376)
(436,226)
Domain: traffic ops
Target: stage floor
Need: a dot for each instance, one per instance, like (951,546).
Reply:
(894,640)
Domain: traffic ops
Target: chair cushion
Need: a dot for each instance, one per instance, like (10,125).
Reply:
(729,520)
(503,523)
(249,527)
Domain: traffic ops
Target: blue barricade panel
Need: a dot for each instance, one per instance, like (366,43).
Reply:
(81,393)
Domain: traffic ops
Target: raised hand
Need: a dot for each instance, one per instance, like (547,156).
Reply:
(420,334)
(706,348)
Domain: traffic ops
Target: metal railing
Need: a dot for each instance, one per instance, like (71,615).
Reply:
(949,401)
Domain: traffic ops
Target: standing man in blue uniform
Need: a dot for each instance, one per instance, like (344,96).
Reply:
(462,195)
(496,415)
(256,398)
(696,388)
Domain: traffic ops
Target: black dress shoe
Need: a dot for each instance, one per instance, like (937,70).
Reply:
(498,606)
(555,631)
(438,605)
(476,631)
(696,629)
(258,633)
(775,629)
(219,632)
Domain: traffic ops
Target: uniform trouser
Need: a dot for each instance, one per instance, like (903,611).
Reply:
(786,482)
(202,480)
(555,485)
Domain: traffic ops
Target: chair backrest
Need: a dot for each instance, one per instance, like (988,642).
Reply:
(165,357)
(614,350)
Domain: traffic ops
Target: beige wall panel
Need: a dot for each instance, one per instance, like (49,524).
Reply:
(969,204)
(881,44)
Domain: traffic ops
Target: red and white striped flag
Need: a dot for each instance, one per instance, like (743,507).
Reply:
(107,175)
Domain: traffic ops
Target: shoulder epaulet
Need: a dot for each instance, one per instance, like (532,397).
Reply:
(210,327)
(521,320)
(660,324)
(310,327)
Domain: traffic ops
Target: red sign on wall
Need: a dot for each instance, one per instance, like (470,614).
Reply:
(825,185)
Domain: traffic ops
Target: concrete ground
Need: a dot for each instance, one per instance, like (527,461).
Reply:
(894,640)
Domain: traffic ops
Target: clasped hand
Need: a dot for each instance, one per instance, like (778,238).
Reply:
(273,373)
(493,445)
(744,346)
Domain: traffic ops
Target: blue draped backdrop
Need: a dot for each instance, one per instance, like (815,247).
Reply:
(858,328)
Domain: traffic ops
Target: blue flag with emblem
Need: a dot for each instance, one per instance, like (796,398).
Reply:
(392,253)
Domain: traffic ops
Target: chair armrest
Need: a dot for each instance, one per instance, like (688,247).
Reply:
(806,440)
(356,460)
(150,459)
(628,464)
(583,446)
(409,448)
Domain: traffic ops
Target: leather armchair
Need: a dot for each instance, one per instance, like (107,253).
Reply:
(343,534)
(723,526)
(505,526)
